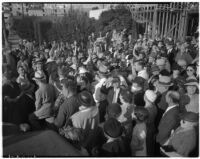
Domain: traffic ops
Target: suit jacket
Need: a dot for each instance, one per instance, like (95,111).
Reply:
(171,56)
(45,98)
(168,122)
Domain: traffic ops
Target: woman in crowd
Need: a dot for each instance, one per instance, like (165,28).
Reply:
(129,80)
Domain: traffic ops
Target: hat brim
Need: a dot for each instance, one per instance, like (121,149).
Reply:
(114,137)
(38,79)
(165,84)
(192,84)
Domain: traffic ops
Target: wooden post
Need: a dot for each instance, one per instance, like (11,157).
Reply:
(170,19)
(154,21)
(146,23)
(185,24)
(180,25)
(166,21)
(163,21)
(159,21)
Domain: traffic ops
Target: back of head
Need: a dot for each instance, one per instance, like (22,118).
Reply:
(114,110)
(70,86)
(174,96)
(141,113)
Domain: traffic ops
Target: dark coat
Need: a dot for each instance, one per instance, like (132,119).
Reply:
(171,56)
(170,121)
(116,148)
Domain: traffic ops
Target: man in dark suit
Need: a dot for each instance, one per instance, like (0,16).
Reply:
(171,52)
(170,119)
(114,91)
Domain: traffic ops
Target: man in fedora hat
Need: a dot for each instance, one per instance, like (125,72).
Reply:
(99,97)
(183,140)
(115,145)
(86,119)
(162,87)
(45,97)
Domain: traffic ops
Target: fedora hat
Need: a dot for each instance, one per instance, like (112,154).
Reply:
(192,82)
(113,128)
(39,76)
(190,116)
(85,98)
(165,80)
(38,60)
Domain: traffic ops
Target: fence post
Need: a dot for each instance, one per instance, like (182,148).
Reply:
(155,13)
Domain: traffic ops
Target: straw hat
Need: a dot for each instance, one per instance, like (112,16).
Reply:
(39,76)
(165,80)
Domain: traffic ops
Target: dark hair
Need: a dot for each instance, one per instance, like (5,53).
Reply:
(141,63)
(141,113)
(193,66)
(126,95)
(70,86)
(85,79)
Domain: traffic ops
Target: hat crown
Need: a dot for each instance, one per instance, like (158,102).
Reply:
(39,75)
(86,99)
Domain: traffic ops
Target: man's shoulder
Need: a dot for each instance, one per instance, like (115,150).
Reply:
(70,102)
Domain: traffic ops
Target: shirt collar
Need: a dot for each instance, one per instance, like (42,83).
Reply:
(170,107)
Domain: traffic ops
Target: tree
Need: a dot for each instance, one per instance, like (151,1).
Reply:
(118,18)
(75,25)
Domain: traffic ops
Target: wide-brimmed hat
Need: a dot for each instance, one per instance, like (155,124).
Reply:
(192,82)
(39,76)
(165,80)
(85,98)
(113,128)
(190,116)
(38,60)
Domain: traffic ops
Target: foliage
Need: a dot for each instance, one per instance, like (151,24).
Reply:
(75,25)
(118,18)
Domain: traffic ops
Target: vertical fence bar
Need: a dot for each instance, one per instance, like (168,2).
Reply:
(163,21)
(159,22)
(170,20)
(166,21)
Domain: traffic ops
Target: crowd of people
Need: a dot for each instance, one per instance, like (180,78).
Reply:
(113,97)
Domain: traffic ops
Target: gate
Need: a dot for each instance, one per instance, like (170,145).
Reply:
(162,20)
